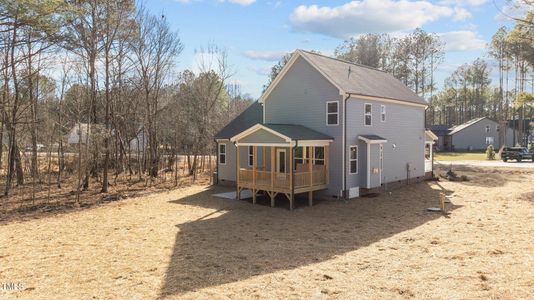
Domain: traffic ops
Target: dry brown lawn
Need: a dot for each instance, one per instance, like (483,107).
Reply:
(187,244)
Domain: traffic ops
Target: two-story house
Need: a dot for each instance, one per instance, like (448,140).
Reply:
(329,126)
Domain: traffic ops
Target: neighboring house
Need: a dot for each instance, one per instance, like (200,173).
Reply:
(140,142)
(442,132)
(478,134)
(326,125)
(78,132)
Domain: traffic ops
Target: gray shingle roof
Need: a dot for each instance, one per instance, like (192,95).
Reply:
(248,118)
(457,128)
(298,132)
(362,80)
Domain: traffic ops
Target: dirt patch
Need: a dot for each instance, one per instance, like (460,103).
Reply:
(186,244)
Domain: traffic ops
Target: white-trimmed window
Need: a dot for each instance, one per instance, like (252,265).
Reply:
(488,129)
(222,154)
(332,113)
(489,140)
(368,114)
(353,160)
(497,128)
(383,113)
(250,155)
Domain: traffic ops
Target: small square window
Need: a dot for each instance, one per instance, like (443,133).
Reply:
(368,114)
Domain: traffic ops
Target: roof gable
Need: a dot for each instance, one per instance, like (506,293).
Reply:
(463,126)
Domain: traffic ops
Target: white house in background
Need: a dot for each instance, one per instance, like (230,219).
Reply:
(78,132)
(478,134)
(140,142)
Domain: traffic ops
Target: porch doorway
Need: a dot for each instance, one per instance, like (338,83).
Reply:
(281,166)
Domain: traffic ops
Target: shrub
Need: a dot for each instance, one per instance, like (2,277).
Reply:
(490,153)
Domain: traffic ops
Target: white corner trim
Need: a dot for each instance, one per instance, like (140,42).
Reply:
(368,165)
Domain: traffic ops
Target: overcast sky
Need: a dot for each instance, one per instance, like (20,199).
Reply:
(258,33)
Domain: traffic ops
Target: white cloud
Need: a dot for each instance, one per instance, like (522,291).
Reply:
(462,41)
(512,10)
(461,14)
(240,2)
(260,70)
(265,55)
(366,16)
(463,2)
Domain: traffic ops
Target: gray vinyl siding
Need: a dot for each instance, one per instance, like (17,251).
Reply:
(300,98)
(262,136)
(404,127)
(474,137)
(227,172)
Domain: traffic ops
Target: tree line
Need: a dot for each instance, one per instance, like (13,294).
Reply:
(105,70)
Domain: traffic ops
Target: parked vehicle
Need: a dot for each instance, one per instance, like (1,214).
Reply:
(516,153)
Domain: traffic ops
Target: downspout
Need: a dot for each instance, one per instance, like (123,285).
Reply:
(344,142)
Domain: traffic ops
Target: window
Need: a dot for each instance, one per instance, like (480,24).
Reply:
(497,128)
(302,158)
(318,156)
(488,129)
(353,160)
(250,155)
(489,140)
(222,154)
(368,114)
(332,113)
(383,113)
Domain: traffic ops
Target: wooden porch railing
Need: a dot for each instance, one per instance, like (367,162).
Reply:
(282,180)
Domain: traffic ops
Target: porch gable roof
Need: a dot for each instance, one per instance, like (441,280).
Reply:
(288,132)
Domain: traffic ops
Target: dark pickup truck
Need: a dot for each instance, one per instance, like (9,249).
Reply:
(516,153)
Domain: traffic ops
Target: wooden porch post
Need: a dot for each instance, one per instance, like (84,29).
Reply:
(326,163)
(254,163)
(291,178)
(238,195)
(263,160)
(272,194)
